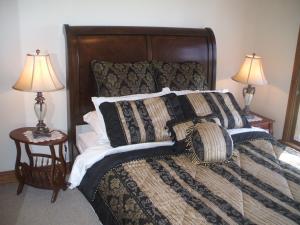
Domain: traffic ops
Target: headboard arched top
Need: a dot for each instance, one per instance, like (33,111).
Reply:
(128,44)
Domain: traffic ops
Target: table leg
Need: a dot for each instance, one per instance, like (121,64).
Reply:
(19,176)
(54,195)
(20,188)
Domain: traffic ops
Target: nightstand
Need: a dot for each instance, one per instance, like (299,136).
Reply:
(262,122)
(47,171)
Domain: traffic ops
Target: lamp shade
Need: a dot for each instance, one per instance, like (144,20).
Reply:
(38,75)
(251,72)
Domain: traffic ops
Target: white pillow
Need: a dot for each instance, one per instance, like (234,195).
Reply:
(99,100)
(184,92)
(92,119)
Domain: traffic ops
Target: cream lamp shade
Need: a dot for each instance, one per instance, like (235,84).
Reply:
(38,75)
(251,72)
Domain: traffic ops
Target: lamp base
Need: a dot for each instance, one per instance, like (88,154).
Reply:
(40,109)
(41,130)
(248,93)
(247,112)
(249,116)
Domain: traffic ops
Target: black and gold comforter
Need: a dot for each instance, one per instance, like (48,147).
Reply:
(162,186)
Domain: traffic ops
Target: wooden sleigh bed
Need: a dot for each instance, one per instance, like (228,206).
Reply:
(128,44)
(161,185)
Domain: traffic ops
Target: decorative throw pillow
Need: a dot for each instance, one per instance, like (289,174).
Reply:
(180,76)
(99,100)
(117,79)
(223,105)
(208,143)
(178,128)
(139,121)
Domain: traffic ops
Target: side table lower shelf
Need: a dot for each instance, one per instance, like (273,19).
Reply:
(46,171)
(45,176)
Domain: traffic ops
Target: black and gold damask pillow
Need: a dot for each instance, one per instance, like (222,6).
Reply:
(118,79)
(178,128)
(223,105)
(180,76)
(140,121)
(208,143)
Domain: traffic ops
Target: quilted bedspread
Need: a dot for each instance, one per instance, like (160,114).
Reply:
(260,186)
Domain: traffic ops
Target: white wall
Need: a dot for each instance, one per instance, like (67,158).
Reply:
(240,27)
(276,33)
(12,104)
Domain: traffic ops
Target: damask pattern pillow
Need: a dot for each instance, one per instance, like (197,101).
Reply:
(208,143)
(118,79)
(180,76)
(140,121)
(223,105)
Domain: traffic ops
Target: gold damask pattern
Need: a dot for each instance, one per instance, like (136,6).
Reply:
(121,202)
(180,76)
(117,79)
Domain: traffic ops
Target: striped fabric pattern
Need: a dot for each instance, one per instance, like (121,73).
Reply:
(223,105)
(253,189)
(208,143)
(178,128)
(140,121)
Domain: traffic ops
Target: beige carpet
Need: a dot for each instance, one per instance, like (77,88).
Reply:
(33,207)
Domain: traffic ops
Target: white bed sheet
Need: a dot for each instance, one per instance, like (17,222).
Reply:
(244,130)
(93,152)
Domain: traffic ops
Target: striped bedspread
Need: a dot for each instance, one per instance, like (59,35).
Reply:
(258,187)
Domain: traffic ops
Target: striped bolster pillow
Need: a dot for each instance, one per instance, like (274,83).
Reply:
(208,143)
(223,105)
(178,128)
(140,121)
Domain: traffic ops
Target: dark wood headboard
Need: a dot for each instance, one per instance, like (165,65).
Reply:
(128,44)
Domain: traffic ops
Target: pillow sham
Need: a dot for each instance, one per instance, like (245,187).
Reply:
(180,76)
(223,105)
(118,79)
(91,118)
(99,100)
(208,143)
(140,121)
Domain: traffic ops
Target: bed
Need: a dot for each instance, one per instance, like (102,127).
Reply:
(158,184)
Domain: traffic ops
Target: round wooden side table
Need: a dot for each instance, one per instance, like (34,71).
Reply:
(47,171)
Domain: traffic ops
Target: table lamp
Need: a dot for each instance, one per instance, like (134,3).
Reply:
(38,76)
(251,73)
